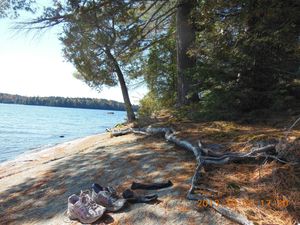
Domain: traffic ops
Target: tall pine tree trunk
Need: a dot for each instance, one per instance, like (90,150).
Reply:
(128,106)
(185,37)
(120,75)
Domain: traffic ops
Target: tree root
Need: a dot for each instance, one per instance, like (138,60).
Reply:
(205,156)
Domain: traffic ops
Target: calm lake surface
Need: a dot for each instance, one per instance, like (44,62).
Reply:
(24,128)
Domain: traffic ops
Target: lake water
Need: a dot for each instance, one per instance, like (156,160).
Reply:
(24,127)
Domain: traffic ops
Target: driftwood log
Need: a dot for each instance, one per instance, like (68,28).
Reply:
(205,156)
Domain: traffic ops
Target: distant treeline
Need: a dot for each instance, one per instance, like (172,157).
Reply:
(86,103)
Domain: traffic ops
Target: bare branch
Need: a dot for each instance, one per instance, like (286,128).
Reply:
(211,158)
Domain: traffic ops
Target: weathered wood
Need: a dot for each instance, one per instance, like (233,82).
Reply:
(204,156)
(121,132)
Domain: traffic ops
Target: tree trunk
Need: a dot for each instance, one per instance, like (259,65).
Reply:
(128,106)
(185,37)
(130,113)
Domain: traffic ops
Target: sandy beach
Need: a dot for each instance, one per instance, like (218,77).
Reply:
(34,188)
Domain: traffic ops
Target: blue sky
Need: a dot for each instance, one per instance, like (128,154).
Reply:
(32,65)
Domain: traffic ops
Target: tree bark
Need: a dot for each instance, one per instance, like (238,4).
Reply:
(120,75)
(185,36)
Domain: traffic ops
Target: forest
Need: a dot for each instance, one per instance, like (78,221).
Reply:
(85,103)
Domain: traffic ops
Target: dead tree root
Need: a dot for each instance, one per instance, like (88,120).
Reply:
(205,156)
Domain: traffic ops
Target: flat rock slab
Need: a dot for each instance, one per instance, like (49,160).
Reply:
(34,188)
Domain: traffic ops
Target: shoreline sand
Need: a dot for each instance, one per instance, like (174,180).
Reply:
(35,189)
(46,149)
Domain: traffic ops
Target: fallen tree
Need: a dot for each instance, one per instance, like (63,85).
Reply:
(205,156)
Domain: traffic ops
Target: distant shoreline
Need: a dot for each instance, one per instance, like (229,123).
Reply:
(121,110)
(65,102)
